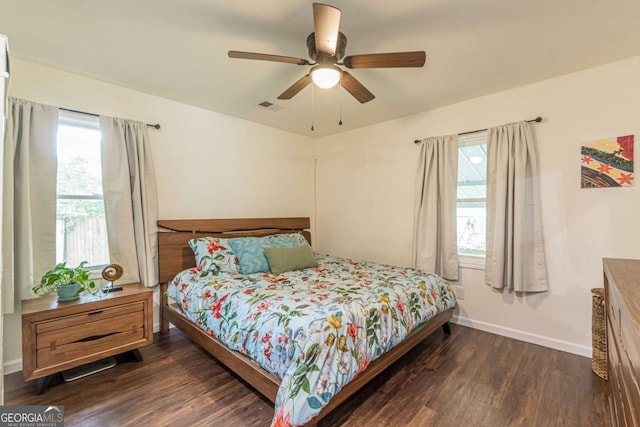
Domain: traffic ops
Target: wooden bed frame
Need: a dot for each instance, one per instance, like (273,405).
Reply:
(175,256)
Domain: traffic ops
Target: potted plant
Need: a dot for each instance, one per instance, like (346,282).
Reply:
(69,282)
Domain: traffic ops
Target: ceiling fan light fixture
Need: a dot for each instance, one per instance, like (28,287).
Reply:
(325,76)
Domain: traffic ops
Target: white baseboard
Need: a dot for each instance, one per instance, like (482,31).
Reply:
(524,336)
(12,366)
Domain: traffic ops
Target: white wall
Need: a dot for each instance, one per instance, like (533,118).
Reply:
(212,165)
(208,165)
(366,181)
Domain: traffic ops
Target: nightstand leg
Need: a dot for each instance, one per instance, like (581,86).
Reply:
(447,328)
(42,384)
(136,355)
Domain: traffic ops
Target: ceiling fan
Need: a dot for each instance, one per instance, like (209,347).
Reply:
(327,47)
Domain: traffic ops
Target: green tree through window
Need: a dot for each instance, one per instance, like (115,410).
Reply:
(81,226)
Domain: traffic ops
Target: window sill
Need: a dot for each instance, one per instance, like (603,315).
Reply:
(471,262)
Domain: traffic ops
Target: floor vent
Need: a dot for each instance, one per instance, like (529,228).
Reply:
(88,369)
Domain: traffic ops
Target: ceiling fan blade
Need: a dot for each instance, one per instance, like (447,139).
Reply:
(265,57)
(296,87)
(355,88)
(326,22)
(386,60)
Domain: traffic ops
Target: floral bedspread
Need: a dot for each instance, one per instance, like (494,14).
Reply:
(316,329)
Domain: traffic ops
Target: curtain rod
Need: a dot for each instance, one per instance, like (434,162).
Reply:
(156,126)
(536,120)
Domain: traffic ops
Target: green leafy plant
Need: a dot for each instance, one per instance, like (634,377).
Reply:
(62,276)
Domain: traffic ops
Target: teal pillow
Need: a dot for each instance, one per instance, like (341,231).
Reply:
(290,258)
(250,253)
(250,250)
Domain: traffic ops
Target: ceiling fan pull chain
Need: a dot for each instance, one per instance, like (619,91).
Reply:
(340,98)
(312,107)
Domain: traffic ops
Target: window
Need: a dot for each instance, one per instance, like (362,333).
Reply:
(81,231)
(472,194)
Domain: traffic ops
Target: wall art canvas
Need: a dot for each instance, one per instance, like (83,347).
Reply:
(607,162)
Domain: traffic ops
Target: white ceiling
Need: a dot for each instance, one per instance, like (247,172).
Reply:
(178,49)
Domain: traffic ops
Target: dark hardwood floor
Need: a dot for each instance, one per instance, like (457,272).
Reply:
(470,378)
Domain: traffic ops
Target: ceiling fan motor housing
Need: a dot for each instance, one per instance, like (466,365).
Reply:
(322,57)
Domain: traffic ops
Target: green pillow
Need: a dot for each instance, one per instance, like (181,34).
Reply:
(290,258)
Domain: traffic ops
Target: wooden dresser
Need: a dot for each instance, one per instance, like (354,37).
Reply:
(622,297)
(61,335)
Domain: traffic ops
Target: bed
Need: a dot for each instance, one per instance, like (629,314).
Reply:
(342,322)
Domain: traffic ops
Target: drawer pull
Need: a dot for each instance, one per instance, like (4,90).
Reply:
(619,323)
(95,337)
(94,312)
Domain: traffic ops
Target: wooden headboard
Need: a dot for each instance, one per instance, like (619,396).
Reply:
(175,255)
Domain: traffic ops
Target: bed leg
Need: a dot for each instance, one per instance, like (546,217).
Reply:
(164,301)
(446,327)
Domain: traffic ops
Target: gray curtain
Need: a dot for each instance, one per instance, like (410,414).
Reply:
(29,198)
(435,242)
(130,198)
(515,250)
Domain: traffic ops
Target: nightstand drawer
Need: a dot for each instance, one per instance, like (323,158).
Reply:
(61,345)
(99,315)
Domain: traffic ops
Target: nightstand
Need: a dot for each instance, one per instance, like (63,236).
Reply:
(57,336)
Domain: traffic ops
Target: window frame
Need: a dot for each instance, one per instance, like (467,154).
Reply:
(87,121)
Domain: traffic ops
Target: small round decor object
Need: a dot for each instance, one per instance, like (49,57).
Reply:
(112,272)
